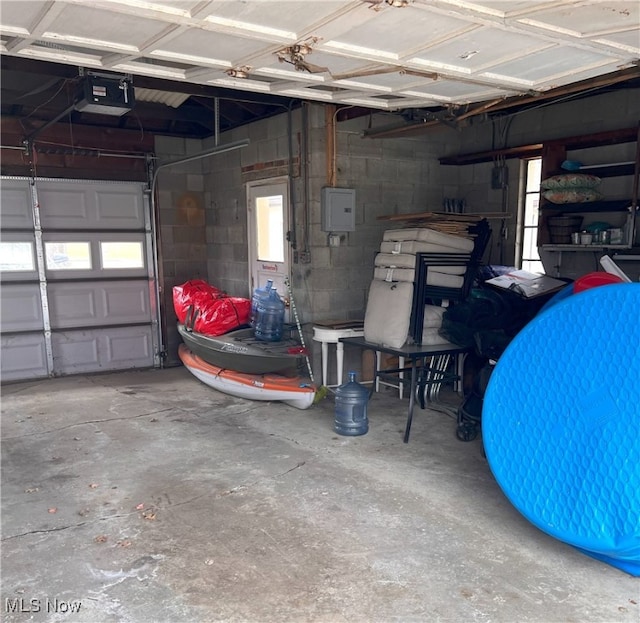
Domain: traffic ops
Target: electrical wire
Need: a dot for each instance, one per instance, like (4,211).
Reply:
(334,155)
(65,83)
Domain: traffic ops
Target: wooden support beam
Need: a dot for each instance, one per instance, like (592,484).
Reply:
(611,137)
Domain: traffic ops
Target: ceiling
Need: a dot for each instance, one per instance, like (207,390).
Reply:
(199,66)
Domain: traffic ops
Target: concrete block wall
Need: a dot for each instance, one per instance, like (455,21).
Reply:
(390,176)
(181,221)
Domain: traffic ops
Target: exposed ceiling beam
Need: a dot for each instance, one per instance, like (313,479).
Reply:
(493,106)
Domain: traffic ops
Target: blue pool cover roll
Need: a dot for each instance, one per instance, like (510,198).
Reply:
(561,423)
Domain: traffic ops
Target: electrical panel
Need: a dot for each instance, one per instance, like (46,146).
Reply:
(338,209)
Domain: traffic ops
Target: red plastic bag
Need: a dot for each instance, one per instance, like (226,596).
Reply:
(216,317)
(194,293)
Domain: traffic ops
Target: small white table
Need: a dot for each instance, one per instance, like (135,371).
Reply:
(332,335)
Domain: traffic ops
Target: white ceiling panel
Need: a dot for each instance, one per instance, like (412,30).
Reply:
(342,51)
(550,64)
(400,32)
(20,15)
(628,41)
(589,19)
(91,24)
(203,44)
(478,50)
(453,91)
(263,15)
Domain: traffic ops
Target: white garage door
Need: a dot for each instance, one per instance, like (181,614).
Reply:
(78,289)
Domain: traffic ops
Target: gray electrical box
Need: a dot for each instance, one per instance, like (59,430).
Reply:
(338,209)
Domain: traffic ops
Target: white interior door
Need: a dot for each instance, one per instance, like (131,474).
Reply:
(268,224)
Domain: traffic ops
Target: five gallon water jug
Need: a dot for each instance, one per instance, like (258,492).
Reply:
(269,317)
(258,295)
(351,408)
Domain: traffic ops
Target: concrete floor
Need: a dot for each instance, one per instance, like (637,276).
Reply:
(175,503)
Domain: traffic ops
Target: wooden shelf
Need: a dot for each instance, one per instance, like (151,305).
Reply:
(620,169)
(450,216)
(609,205)
(555,153)
(583,247)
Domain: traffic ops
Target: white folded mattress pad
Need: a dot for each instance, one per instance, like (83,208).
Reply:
(424,234)
(434,278)
(406,260)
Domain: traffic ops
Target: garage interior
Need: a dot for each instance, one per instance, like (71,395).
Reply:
(133,492)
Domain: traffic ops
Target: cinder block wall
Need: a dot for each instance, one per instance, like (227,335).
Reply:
(181,224)
(390,176)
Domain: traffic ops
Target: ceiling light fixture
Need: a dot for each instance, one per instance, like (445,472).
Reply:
(399,4)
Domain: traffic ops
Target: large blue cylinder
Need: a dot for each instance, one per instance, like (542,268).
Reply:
(351,408)
(258,295)
(269,317)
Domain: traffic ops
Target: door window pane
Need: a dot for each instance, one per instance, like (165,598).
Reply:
(270,222)
(121,255)
(68,255)
(16,256)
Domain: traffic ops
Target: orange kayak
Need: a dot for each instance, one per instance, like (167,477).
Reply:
(295,391)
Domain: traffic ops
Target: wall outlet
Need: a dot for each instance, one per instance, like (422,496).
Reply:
(304,257)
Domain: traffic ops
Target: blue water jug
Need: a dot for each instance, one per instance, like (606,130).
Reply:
(351,408)
(269,317)
(258,295)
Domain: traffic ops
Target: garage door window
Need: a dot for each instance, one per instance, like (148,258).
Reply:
(121,255)
(68,255)
(16,256)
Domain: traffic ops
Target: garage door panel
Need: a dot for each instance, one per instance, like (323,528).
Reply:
(20,308)
(116,348)
(128,302)
(23,357)
(123,348)
(16,205)
(67,205)
(117,209)
(65,209)
(75,350)
(73,305)
(92,304)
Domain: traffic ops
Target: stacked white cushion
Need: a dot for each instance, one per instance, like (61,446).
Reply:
(425,234)
(388,273)
(406,260)
(434,278)
(395,260)
(415,246)
(388,313)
